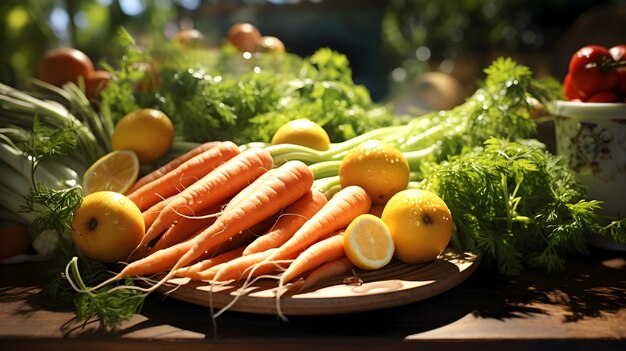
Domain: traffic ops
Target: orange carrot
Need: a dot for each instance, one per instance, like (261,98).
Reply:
(338,212)
(290,182)
(235,268)
(248,266)
(321,252)
(237,243)
(194,270)
(164,259)
(223,182)
(166,168)
(150,215)
(249,189)
(156,262)
(330,269)
(183,176)
(184,227)
(290,220)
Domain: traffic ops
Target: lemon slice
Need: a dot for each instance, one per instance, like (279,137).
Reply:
(116,171)
(368,242)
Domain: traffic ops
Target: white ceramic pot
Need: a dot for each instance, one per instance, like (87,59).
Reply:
(593,137)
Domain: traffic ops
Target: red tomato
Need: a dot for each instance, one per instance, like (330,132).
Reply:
(604,96)
(588,69)
(618,53)
(95,82)
(570,91)
(59,66)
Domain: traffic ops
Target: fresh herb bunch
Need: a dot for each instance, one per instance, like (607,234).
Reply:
(517,204)
(219,95)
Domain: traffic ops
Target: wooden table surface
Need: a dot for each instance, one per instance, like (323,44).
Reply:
(583,308)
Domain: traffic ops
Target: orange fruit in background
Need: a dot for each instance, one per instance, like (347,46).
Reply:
(245,37)
(368,242)
(147,132)
(377,167)
(13,240)
(189,38)
(420,223)
(271,44)
(116,171)
(302,132)
(107,226)
(59,66)
(95,82)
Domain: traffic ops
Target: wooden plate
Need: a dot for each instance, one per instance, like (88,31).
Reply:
(395,285)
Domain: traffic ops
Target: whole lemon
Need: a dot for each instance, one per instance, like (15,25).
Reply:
(420,223)
(302,132)
(147,132)
(107,226)
(377,167)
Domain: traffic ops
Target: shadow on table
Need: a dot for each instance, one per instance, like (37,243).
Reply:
(581,292)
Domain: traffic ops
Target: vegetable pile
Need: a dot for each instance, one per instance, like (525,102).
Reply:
(224,202)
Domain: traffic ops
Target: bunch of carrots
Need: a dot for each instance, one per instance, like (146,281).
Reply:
(220,214)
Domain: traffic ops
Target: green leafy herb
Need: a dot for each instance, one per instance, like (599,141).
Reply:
(54,207)
(222,96)
(516,203)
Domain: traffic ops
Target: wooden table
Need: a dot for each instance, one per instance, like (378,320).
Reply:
(583,308)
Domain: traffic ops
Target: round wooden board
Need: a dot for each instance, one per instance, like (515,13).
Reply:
(395,285)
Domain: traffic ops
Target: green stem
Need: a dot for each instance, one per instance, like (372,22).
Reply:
(325,169)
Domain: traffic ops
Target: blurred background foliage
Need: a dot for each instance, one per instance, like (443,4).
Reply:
(389,43)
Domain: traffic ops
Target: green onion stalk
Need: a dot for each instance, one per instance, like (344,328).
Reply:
(19,109)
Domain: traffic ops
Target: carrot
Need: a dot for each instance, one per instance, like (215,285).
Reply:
(321,252)
(290,182)
(194,270)
(156,262)
(223,182)
(338,212)
(164,259)
(185,227)
(289,221)
(166,168)
(234,269)
(243,238)
(183,176)
(150,215)
(249,189)
(330,269)
(248,266)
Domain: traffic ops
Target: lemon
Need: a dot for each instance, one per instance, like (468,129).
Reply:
(420,223)
(115,171)
(377,167)
(368,243)
(107,226)
(302,132)
(148,132)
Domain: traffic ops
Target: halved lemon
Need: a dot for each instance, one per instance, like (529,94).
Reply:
(368,242)
(116,171)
